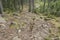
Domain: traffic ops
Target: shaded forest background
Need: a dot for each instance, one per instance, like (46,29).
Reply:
(36,6)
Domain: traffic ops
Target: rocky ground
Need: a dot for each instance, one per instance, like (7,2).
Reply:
(26,26)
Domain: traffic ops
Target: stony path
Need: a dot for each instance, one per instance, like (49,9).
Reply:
(30,27)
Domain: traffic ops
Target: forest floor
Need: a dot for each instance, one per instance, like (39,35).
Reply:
(28,26)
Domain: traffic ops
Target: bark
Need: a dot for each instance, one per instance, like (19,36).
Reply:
(22,4)
(32,5)
(29,5)
(1,8)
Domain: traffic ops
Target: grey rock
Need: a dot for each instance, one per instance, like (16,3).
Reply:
(16,38)
(2,20)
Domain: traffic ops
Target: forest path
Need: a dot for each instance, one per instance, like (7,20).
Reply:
(26,25)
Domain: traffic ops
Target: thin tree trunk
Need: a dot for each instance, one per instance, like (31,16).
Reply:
(29,5)
(16,5)
(32,5)
(22,4)
(1,8)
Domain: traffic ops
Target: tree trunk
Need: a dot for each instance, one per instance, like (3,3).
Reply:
(29,5)
(1,8)
(22,4)
(16,5)
(32,5)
